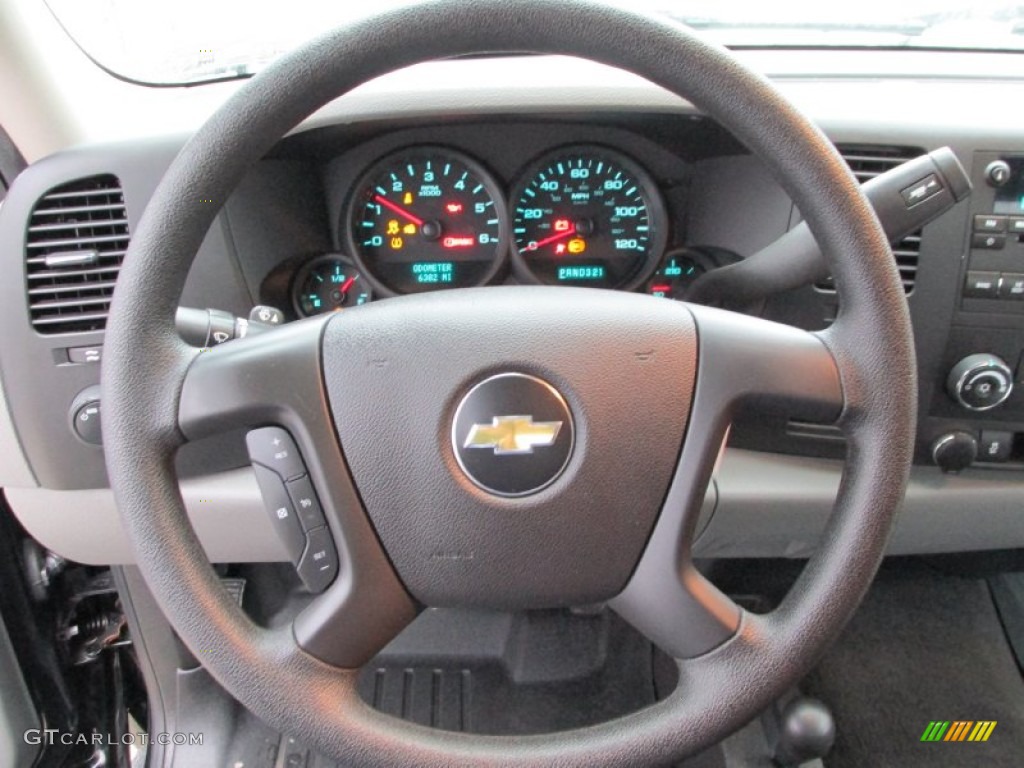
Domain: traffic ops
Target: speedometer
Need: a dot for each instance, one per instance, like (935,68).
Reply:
(427,218)
(587,216)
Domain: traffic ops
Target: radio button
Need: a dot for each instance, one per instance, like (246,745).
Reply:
(1011,286)
(986,223)
(981,285)
(986,242)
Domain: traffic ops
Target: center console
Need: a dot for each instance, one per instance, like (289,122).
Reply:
(979,409)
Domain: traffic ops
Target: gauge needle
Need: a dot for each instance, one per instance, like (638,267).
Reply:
(548,240)
(347,284)
(399,210)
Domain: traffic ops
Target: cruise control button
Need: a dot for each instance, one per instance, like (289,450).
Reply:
(282,513)
(306,503)
(995,445)
(985,242)
(319,564)
(1011,286)
(274,448)
(985,223)
(982,285)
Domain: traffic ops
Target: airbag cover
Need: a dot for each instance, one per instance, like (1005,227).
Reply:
(396,372)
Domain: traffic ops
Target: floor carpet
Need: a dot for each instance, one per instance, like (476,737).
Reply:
(924,647)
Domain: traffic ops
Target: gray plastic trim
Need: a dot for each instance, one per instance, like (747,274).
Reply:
(85,526)
(14,469)
(768,505)
(777,506)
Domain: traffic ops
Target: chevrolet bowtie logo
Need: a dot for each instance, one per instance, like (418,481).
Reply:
(512,434)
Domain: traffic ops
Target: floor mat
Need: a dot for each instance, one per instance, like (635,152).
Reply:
(924,647)
(509,695)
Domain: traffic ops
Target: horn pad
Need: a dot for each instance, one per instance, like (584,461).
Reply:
(512,445)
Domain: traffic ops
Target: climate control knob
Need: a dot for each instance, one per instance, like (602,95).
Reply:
(980,382)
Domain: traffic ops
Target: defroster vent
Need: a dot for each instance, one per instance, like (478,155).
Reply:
(76,240)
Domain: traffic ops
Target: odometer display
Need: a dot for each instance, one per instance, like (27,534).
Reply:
(587,216)
(426,219)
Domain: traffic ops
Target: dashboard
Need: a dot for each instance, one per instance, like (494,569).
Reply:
(427,217)
(593,180)
(554,201)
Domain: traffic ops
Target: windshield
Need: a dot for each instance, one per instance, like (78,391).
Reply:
(193,41)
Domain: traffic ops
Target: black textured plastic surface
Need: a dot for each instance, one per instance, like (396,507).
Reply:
(795,259)
(742,361)
(396,371)
(144,361)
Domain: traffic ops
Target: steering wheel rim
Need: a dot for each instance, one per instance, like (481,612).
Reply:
(148,374)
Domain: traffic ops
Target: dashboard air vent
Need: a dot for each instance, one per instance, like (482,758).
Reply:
(76,240)
(866,162)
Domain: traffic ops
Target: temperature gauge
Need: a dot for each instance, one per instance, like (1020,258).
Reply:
(328,284)
(675,275)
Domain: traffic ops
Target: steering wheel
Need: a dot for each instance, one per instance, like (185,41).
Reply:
(372,397)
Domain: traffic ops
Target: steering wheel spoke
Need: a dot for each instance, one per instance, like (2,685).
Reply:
(271,378)
(772,367)
(275,380)
(742,360)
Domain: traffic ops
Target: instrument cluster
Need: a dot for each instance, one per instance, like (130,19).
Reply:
(429,217)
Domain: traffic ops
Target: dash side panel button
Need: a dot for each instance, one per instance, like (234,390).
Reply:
(282,513)
(274,448)
(85,354)
(319,564)
(995,445)
(982,285)
(307,505)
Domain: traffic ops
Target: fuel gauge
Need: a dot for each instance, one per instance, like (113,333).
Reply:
(328,284)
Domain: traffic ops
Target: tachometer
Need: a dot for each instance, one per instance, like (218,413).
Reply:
(427,218)
(587,216)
